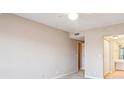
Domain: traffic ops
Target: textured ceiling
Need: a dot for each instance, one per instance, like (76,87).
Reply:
(84,22)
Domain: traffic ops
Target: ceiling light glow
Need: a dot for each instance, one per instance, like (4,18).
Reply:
(73,16)
(115,37)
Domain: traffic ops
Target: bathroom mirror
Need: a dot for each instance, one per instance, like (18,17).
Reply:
(121,52)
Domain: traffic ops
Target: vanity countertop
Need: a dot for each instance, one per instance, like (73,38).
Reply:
(119,61)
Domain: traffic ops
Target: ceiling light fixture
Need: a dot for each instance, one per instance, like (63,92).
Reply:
(73,16)
(115,37)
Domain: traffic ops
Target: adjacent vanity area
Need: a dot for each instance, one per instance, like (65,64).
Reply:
(119,65)
(113,54)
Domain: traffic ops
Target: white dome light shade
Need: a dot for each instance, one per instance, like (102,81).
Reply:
(73,16)
(115,37)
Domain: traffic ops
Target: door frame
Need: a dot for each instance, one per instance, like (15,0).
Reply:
(109,68)
(111,56)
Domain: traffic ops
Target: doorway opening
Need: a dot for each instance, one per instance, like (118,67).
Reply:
(81,56)
(114,57)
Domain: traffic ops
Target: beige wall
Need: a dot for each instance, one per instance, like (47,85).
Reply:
(32,50)
(94,40)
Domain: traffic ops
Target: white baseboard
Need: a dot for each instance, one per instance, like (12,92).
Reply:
(119,69)
(92,77)
(60,76)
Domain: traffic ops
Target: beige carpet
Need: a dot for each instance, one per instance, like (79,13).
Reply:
(115,75)
(78,75)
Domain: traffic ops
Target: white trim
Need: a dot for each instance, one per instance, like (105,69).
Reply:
(119,69)
(82,68)
(92,77)
(60,76)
